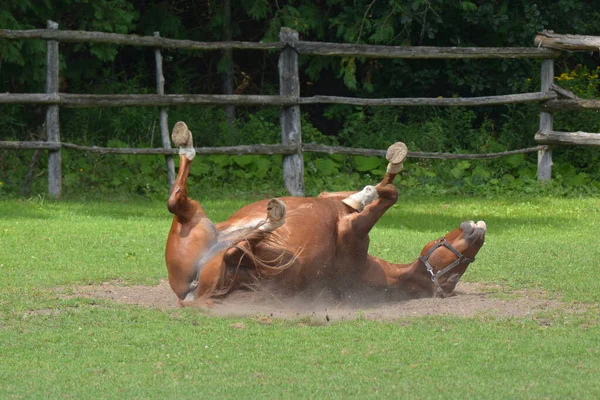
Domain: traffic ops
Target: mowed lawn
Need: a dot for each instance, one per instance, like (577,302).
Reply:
(54,347)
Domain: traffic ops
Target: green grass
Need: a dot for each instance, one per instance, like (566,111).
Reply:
(53,347)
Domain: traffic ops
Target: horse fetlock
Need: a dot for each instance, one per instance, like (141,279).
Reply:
(395,168)
(188,152)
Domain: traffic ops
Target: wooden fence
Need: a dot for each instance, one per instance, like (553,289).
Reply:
(551,97)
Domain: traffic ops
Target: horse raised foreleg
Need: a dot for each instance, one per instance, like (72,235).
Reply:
(179,204)
(192,235)
(373,201)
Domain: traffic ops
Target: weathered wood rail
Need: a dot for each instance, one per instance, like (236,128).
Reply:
(258,149)
(551,40)
(550,97)
(308,48)
(168,100)
(567,101)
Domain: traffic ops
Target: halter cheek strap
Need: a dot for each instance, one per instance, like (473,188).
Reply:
(461,258)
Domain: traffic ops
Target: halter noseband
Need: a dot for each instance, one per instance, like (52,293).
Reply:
(443,243)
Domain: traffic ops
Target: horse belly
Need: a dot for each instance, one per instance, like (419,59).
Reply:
(310,235)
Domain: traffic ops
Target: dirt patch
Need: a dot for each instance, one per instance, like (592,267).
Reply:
(472,299)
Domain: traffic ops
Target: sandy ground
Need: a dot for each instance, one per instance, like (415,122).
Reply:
(472,300)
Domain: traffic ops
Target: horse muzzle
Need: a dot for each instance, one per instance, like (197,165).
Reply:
(474,233)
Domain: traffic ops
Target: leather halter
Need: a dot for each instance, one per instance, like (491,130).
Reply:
(461,258)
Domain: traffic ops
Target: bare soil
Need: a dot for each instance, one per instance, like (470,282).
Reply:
(472,299)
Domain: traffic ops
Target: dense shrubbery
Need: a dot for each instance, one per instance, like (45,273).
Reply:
(413,22)
(450,129)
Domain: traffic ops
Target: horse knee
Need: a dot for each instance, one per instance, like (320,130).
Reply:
(183,207)
(177,205)
(173,202)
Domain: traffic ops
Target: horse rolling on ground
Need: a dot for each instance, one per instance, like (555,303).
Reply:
(299,243)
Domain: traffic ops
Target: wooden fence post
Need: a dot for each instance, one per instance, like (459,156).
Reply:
(163,117)
(546,119)
(52,117)
(291,130)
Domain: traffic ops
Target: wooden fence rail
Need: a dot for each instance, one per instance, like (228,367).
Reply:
(308,48)
(167,100)
(546,134)
(132,40)
(260,149)
(570,105)
(551,97)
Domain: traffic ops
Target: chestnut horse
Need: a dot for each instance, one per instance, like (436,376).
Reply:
(298,243)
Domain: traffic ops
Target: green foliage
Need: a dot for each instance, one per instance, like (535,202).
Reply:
(427,129)
(364,164)
(326,167)
(23,62)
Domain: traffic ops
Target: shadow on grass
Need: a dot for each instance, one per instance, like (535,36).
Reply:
(440,217)
(441,223)
(15,209)
(155,210)
(126,210)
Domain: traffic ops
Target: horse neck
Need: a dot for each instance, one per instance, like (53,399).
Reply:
(412,276)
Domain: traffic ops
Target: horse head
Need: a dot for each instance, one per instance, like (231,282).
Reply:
(446,259)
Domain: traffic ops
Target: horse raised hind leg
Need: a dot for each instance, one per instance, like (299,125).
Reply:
(196,250)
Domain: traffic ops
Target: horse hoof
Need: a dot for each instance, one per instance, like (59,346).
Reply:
(181,135)
(276,210)
(358,201)
(396,153)
(352,203)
